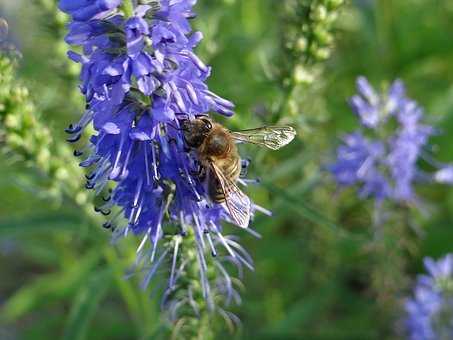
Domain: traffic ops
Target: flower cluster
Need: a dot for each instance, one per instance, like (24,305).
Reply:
(381,157)
(24,137)
(141,78)
(430,311)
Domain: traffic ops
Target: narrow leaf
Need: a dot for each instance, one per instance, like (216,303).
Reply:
(86,304)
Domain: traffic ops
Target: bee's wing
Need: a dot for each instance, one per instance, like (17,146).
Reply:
(273,137)
(237,202)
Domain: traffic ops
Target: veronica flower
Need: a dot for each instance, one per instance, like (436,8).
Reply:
(430,310)
(381,156)
(83,10)
(140,78)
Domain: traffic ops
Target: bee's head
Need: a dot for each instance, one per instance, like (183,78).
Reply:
(196,131)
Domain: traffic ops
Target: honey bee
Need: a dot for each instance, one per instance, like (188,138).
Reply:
(220,161)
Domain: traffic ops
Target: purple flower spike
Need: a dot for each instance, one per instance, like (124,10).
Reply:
(381,157)
(429,313)
(141,78)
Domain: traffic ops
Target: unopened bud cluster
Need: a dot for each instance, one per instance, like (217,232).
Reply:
(24,137)
(309,37)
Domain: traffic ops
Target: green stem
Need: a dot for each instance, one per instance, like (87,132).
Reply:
(290,90)
(384,27)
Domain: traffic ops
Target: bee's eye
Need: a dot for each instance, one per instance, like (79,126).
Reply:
(207,123)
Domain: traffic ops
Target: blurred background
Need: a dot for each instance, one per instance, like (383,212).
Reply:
(320,274)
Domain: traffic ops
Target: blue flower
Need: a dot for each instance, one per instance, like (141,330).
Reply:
(429,313)
(381,156)
(141,78)
(83,10)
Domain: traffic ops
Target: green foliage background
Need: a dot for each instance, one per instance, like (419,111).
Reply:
(320,272)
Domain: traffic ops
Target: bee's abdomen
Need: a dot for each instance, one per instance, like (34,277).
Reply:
(215,190)
(231,168)
(216,193)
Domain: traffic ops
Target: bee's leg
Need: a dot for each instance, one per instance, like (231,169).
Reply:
(244,167)
(200,172)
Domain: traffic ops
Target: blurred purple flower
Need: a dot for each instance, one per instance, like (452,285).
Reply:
(429,313)
(140,78)
(381,157)
(444,175)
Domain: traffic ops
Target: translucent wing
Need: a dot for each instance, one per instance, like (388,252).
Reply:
(237,202)
(273,137)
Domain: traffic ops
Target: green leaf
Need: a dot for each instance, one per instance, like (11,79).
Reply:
(45,223)
(85,305)
(141,310)
(302,312)
(50,287)
(300,207)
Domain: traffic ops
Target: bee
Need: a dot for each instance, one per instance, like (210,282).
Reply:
(220,161)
